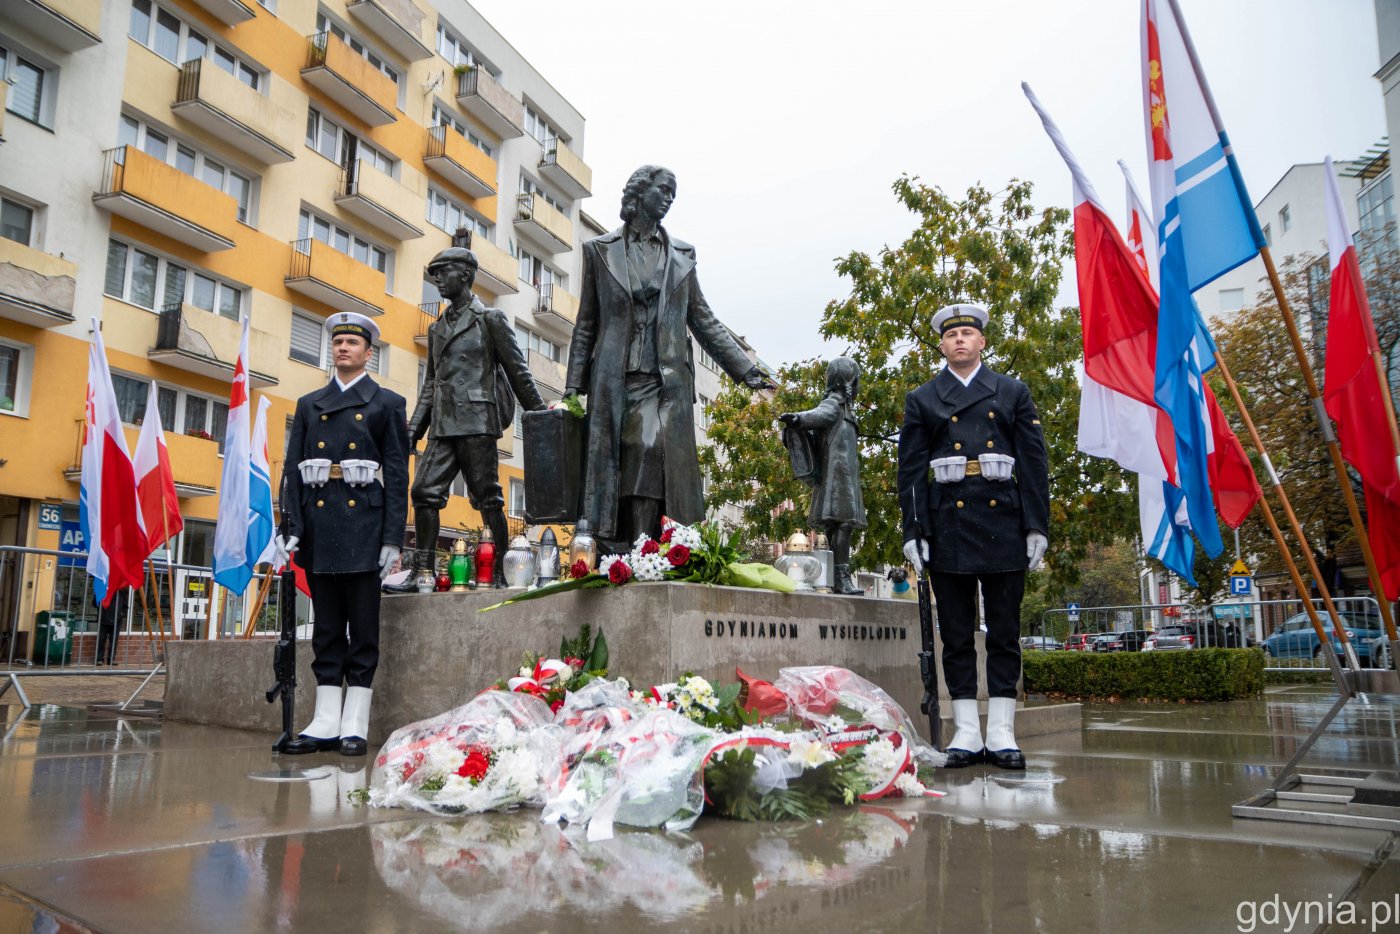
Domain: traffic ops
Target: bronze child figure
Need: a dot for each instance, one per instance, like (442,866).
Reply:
(837,506)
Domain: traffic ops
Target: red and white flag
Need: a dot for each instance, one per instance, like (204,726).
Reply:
(107,509)
(155,481)
(1355,396)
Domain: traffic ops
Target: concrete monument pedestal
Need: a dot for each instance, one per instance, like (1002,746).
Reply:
(437,651)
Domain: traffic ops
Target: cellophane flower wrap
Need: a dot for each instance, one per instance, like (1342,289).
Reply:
(499,750)
(838,699)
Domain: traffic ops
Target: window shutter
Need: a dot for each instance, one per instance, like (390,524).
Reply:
(306,340)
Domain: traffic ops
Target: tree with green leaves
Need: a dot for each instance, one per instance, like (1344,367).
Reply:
(992,248)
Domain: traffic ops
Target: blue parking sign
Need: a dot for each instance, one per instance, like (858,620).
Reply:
(1240,585)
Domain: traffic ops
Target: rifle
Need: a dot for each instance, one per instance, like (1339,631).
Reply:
(928,672)
(284,654)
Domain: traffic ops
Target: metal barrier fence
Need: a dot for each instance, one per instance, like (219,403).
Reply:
(1225,623)
(176,602)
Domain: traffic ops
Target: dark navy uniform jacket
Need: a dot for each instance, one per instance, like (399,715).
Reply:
(342,527)
(975,525)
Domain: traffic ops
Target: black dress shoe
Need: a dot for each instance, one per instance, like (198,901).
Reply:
(353,746)
(304,744)
(1007,759)
(962,758)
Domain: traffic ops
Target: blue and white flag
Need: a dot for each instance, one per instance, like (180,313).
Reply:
(260,549)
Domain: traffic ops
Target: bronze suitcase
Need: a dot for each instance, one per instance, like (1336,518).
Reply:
(554,446)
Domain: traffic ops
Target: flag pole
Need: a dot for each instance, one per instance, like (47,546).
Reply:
(263,587)
(1333,448)
(1323,642)
(155,592)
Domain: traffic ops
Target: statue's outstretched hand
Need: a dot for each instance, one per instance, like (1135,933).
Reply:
(757,379)
(789,418)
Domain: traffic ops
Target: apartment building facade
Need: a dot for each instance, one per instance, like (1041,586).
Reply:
(169,166)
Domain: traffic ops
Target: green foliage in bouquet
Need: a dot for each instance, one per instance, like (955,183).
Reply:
(730,791)
(584,645)
(574,405)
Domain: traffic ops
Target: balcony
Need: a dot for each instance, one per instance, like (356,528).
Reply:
(428,312)
(562,166)
(331,277)
(35,288)
(480,95)
(399,23)
(549,376)
(72,25)
(557,306)
(343,75)
(543,223)
(202,342)
(216,101)
(450,155)
(166,200)
(378,199)
(496,270)
(228,12)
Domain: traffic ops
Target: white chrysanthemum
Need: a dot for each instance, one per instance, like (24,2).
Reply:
(879,760)
(441,758)
(650,567)
(641,540)
(909,786)
(527,672)
(808,753)
(685,535)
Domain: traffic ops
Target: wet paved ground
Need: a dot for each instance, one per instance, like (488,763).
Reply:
(131,825)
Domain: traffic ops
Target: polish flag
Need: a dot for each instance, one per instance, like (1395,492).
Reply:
(1355,397)
(155,482)
(107,509)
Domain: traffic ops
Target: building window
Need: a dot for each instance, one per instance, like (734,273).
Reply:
(311,345)
(519,424)
(143,278)
(16,368)
(1231,300)
(702,417)
(345,241)
(180,410)
(1268,236)
(543,346)
(446,214)
(444,117)
(16,221)
(341,146)
(540,128)
(707,361)
(326,24)
(172,39)
(530,186)
(1285,219)
(457,52)
(517,499)
(31,86)
(191,161)
(534,271)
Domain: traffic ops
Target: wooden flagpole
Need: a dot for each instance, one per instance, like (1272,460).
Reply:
(1333,448)
(1298,582)
(258,602)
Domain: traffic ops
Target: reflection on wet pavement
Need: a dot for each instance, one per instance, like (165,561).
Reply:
(125,825)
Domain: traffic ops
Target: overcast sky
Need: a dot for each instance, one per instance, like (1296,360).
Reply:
(786,122)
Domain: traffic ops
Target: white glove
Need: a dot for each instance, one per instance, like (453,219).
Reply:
(949,469)
(359,472)
(996,466)
(315,471)
(916,550)
(284,549)
(1035,549)
(388,556)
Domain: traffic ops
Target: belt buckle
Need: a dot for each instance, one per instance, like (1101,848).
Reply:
(337,473)
(974,468)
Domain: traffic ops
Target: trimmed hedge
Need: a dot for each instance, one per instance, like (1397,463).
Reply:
(1196,675)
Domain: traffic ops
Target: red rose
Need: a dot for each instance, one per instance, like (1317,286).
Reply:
(619,573)
(575,663)
(650,547)
(666,535)
(678,555)
(475,765)
(554,707)
(579,569)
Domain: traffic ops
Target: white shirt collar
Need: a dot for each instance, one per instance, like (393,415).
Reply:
(363,374)
(970,377)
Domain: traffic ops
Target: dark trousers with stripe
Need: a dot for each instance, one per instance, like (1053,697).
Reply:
(956,595)
(345,635)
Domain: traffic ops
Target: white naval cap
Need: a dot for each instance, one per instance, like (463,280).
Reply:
(349,322)
(960,315)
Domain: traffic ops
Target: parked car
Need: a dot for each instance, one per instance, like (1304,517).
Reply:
(1208,635)
(1099,641)
(1079,642)
(1296,638)
(1130,640)
(1380,653)
(1040,643)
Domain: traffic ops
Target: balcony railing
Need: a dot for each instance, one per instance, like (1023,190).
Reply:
(339,281)
(399,23)
(557,304)
(428,312)
(343,75)
(449,154)
(216,101)
(377,198)
(496,270)
(543,223)
(562,166)
(162,198)
(200,341)
(484,98)
(35,288)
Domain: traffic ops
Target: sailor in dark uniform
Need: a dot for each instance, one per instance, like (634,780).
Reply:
(974,489)
(346,505)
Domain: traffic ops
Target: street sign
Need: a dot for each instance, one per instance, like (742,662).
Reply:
(1239,569)
(70,538)
(1073,612)
(1240,585)
(50,517)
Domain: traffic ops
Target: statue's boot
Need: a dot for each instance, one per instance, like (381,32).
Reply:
(413,561)
(323,732)
(844,584)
